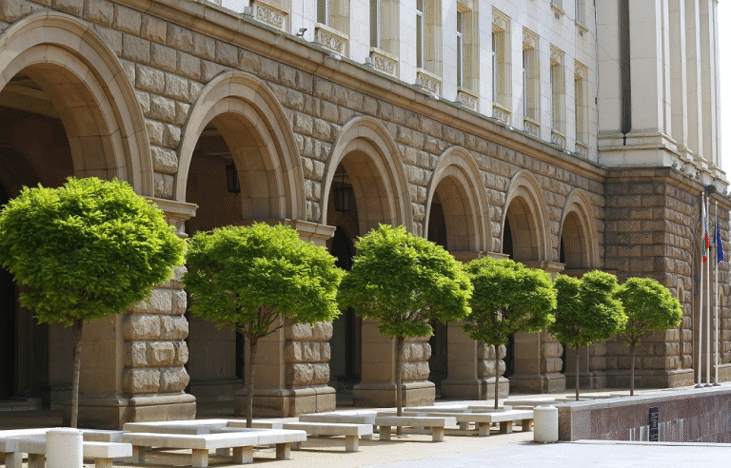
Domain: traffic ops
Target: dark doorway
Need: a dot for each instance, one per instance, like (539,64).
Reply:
(8,302)
(345,370)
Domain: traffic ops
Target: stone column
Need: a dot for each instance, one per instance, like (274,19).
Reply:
(378,384)
(133,363)
(292,373)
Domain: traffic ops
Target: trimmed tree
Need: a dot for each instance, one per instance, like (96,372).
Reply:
(404,281)
(86,250)
(587,311)
(649,306)
(257,279)
(508,297)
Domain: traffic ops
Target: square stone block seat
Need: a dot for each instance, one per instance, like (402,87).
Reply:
(435,423)
(483,420)
(210,434)
(351,431)
(530,402)
(352,417)
(437,409)
(33,442)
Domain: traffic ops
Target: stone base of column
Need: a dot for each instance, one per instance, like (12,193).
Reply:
(383,394)
(539,383)
(285,402)
(214,390)
(724,373)
(474,389)
(593,379)
(102,412)
(653,378)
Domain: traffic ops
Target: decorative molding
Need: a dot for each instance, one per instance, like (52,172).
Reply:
(500,113)
(558,139)
(556,56)
(429,81)
(499,22)
(532,128)
(530,40)
(579,71)
(581,149)
(468,98)
(271,16)
(331,39)
(384,62)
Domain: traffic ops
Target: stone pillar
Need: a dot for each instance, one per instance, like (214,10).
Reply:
(472,367)
(378,383)
(292,372)
(133,363)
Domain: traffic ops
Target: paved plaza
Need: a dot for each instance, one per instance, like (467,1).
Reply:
(459,449)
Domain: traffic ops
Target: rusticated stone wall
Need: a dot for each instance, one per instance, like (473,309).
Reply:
(307,354)
(155,350)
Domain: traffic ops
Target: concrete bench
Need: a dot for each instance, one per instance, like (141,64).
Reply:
(352,432)
(103,453)
(345,417)
(436,424)
(200,439)
(483,420)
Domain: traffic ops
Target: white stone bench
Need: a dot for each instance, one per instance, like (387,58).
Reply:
(352,432)
(345,417)
(483,420)
(103,453)
(200,439)
(436,424)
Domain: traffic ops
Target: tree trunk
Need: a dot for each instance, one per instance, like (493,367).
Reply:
(251,360)
(577,373)
(78,324)
(632,370)
(497,376)
(399,374)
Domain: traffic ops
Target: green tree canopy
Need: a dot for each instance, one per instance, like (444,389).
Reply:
(86,250)
(403,282)
(587,311)
(649,306)
(508,298)
(257,279)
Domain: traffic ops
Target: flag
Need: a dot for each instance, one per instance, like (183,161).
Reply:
(719,244)
(705,238)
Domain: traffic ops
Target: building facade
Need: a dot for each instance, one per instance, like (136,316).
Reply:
(568,135)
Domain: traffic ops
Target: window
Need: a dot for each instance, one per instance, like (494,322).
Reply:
(420,52)
(500,63)
(323,12)
(460,49)
(581,103)
(376,29)
(557,92)
(581,12)
(531,77)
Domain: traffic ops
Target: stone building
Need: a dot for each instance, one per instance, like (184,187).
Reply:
(568,135)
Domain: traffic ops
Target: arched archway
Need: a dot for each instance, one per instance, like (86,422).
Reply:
(83,84)
(456,218)
(238,163)
(366,163)
(579,242)
(530,365)
(525,219)
(373,164)
(248,119)
(455,187)
(66,108)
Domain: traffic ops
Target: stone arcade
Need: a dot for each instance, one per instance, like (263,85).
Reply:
(505,128)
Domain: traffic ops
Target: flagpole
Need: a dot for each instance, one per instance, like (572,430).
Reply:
(708,293)
(719,259)
(699,383)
